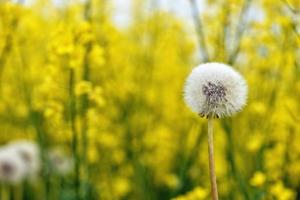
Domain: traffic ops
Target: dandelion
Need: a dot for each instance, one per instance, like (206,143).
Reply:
(29,154)
(59,162)
(12,167)
(215,90)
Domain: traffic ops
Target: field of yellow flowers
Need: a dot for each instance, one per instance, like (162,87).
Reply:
(90,110)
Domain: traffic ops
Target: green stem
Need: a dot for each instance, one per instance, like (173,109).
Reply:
(239,32)
(231,159)
(212,173)
(199,29)
(74,132)
(186,163)
(37,120)
(85,106)
(5,193)
(17,192)
(55,187)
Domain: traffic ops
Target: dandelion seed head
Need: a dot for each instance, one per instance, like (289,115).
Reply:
(215,89)
(59,162)
(30,155)
(12,168)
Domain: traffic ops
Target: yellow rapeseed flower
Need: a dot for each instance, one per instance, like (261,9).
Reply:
(83,87)
(258,179)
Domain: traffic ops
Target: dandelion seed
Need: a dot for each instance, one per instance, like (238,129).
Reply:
(215,89)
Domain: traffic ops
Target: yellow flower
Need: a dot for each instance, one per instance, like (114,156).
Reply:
(171,180)
(65,49)
(281,193)
(96,55)
(83,27)
(83,87)
(86,38)
(121,186)
(97,97)
(255,142)
(258,108)
(93,154)
(198,193)
(258,179)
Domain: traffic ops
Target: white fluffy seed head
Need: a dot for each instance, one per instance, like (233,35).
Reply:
(29,153)
(215,89)
(60,164)
(12,167)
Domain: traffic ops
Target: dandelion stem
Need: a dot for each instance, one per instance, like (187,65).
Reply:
(213,178)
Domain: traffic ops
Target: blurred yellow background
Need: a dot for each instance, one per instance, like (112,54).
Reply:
(110,96)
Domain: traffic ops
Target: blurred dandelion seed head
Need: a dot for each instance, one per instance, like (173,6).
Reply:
(215,89)
(59,162)
(12,168)
(29,153)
